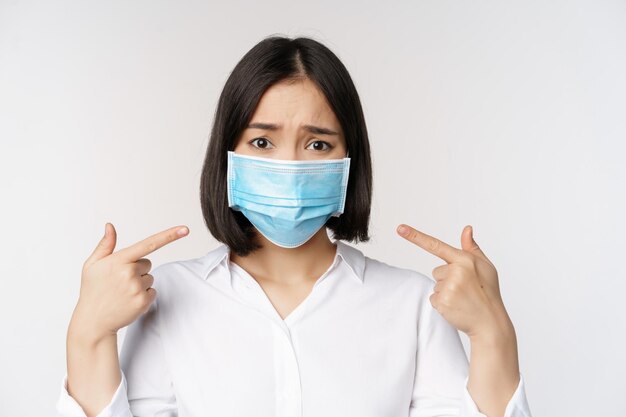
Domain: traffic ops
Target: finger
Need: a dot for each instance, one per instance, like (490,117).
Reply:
(152,243)
(149,297)
(105,246)
(152,294)
(147,280)
(439,272)
(431,244)
(143,266)
(434,300)
(468,243)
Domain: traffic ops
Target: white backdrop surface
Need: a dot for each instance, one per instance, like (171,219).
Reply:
(509,116)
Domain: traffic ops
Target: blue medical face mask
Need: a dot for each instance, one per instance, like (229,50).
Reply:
(287,201)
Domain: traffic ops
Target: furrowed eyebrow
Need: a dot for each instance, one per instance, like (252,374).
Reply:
(320,130)
(310,128)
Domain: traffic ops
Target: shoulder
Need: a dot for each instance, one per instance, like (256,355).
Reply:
(380,273)
(175,270)
(383,277)
(405,290)
(191,269)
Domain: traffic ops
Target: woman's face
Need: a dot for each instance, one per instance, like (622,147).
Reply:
(293,121)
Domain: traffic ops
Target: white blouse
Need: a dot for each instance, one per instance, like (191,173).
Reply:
(365,342)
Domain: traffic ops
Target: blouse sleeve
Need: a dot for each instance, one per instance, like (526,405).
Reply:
(146,386)
(441,374)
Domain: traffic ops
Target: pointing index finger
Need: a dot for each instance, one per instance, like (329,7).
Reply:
(431,244)
(148,245)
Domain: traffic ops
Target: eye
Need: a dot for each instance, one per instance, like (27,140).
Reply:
(321,144)
(262,144)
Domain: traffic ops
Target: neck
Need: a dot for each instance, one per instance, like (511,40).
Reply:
(299,265)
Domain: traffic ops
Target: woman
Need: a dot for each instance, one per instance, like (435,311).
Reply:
(279,320)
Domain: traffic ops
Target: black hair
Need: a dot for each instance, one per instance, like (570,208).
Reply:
(274,59)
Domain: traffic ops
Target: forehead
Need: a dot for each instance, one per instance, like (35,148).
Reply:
(298,100)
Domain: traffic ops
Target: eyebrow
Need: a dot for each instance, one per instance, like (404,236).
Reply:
(310,128)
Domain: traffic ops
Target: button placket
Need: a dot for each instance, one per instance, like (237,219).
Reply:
(288,388)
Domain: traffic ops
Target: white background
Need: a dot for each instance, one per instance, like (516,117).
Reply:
(509,116)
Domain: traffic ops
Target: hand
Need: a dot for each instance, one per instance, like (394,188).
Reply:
(467,293)
(116,287)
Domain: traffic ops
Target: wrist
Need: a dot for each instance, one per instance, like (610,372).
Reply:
(82,330)
(89,338)
(499,333)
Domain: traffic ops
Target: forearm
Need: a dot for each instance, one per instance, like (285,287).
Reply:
(93,372)
(494,368)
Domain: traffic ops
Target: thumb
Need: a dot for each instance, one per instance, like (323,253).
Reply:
(468,243)
(105,246)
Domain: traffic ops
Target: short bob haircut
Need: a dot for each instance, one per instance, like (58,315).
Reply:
(275,59)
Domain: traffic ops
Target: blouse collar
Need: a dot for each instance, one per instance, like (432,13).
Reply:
(351,255)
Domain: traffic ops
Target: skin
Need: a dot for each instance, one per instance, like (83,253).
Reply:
(115,290)
(467,295)
(115,286)
(287,275)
